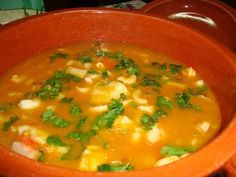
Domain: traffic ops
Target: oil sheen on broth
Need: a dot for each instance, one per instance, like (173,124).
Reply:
(99,106)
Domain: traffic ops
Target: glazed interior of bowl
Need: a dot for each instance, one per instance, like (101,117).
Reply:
(23,39)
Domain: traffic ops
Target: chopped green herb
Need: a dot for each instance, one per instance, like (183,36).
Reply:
(151,80)
(92,72)
(174,68)
(67,100)
(75,110)
(134,70)
(183,100)
(115,167)
(164,102)
(81,136)
(7,125)
(122,97)
(117,55)
(107,119)
(148,121)
(50,117)
(54,85)
(105,74)
(74,152)
(155,64)
(81,123)
(101,53)
(55,140)
(86,59)
(41,157)
(163,67)
(198,90)
(58,55)
(127,63)
(173,151)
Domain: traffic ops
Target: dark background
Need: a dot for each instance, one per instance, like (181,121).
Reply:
(54,4)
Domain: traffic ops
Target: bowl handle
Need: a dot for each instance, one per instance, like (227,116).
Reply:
(230,167)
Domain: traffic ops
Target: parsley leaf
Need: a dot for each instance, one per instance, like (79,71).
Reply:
(174,68)
(53,86)
(164,102)
(198,90)
(75,110)
(172,150)
(86,59)
(50,117)
(183,100)
(81,123)
(105,74)
(148,121)
(7,125)
(107,119)
(55,140)
(81,136)
(115,167)
(151,80)
(67,100)
(58,55)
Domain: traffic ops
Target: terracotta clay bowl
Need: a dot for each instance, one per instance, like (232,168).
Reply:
(212,17)
(216,64)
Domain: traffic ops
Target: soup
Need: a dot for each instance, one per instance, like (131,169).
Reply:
(100,106)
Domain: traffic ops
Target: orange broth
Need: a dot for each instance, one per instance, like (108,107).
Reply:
(124,108)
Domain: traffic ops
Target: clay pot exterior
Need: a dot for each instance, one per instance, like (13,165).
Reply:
(211,17)
(216,64)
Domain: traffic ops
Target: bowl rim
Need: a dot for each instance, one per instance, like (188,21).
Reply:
(212,161)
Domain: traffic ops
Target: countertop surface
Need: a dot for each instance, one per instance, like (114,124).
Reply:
(7,16)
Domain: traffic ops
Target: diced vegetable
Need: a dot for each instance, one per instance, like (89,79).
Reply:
(75,110)
(107,119)
(49,116)
(58,55)
(7,125)
(81,136)
(173,151)
(67,100)
(86,59)
(183,100)
(174,68)
(148,121)
(55,140)
(115,167)
(151,80)
(164,102)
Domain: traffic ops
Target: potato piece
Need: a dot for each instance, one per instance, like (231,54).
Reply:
(28,104)
(154,135)
(203,127)
(190,72)
(137,97)
(128,80)
(136,135)
(103,94)
(122,122)
(82,90)
(25,150)
(17,79)
(36,135)
(166,160)
(92,157)
(101,108)
(77,72)
(147,109)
